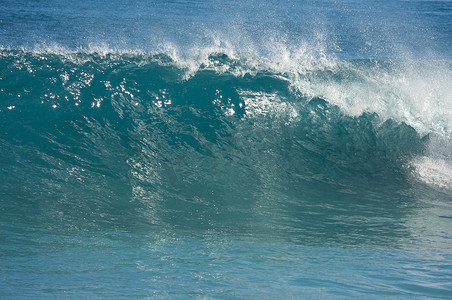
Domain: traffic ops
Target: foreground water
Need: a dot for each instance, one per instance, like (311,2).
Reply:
(242,150)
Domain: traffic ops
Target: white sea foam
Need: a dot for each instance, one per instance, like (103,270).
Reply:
(435,172)
(435,168)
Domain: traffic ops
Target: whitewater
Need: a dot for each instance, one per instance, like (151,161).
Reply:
(193,149)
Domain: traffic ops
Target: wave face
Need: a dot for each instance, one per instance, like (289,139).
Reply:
(200,143)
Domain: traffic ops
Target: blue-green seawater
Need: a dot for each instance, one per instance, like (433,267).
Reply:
(250,150)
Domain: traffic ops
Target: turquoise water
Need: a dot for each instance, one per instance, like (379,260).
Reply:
(193,149)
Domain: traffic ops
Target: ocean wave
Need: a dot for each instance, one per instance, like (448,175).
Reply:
(168,120)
